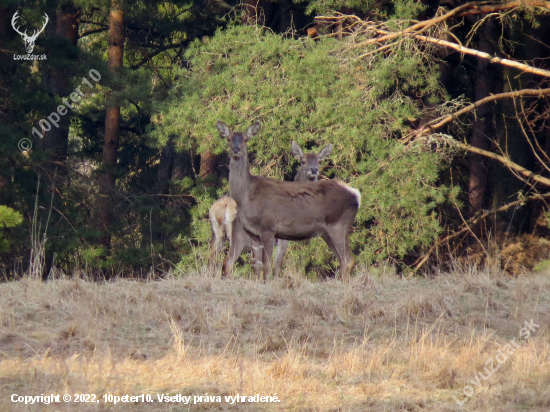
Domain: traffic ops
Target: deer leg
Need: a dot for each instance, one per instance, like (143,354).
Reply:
(336,238)
(268,241)
(215,245)
(257,256)
(238,239)
(282,245)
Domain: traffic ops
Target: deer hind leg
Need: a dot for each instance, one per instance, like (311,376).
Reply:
(257,255)
(236,245)
(216,243)
(336,238)
(282,245)
(268,241)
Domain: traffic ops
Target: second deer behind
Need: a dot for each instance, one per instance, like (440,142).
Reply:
(270,208)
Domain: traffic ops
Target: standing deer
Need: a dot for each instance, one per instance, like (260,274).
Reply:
(223,212)
(270,208)
(310,164)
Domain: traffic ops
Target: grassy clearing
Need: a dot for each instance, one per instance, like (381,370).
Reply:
(381,344)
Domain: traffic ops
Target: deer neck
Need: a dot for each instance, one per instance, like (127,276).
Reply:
(239,179)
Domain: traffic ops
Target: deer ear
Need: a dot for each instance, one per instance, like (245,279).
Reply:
(296,150)
(325,152)
(224,130)
(253,130)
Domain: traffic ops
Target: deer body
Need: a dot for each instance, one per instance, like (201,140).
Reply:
(270,208)
(223,212)
(310,164)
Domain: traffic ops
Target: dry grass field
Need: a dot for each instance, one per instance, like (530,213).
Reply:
(381,344)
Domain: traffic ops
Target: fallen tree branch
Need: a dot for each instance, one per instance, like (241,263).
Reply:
(438,123)
(470,8)
(472,222)
(504,160)
(493,59)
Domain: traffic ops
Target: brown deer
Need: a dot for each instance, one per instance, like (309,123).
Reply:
(270,208)
(310,164)
(223,212)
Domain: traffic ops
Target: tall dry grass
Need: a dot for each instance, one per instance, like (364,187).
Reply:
(381,344)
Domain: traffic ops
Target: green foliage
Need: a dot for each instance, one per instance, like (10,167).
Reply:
(407,9)
(543,266)
(8,218)
(324,6)
(317,93)
(399,9)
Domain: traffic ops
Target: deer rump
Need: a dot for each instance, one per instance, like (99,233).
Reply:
(293,211)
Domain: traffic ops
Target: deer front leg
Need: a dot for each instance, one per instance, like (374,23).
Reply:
(268,240)
(238,240)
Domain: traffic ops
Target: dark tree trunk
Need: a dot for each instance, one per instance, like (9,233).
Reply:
(7,63)
(257,12)
(488,80)
(208,171)
(56,140)
(112,122)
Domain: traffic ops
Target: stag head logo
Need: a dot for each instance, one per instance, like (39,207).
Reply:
(29,40)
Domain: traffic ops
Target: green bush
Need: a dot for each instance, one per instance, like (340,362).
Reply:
(8,218)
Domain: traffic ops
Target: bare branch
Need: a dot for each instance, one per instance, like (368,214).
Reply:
(92,31)
(466,9)
(442,121)
(504,160)
(472,222)
(493,59)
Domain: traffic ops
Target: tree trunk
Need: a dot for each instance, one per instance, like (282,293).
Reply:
(56,140)
(257,12)
(208,171)
(112,121)
(487,82)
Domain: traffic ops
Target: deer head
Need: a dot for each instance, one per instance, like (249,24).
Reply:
(237,140)
(310,162)
(29,40)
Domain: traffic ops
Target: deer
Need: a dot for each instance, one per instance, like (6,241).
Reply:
(223,212)
(310,164)
(222,215)
(29,40)
(269,208)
